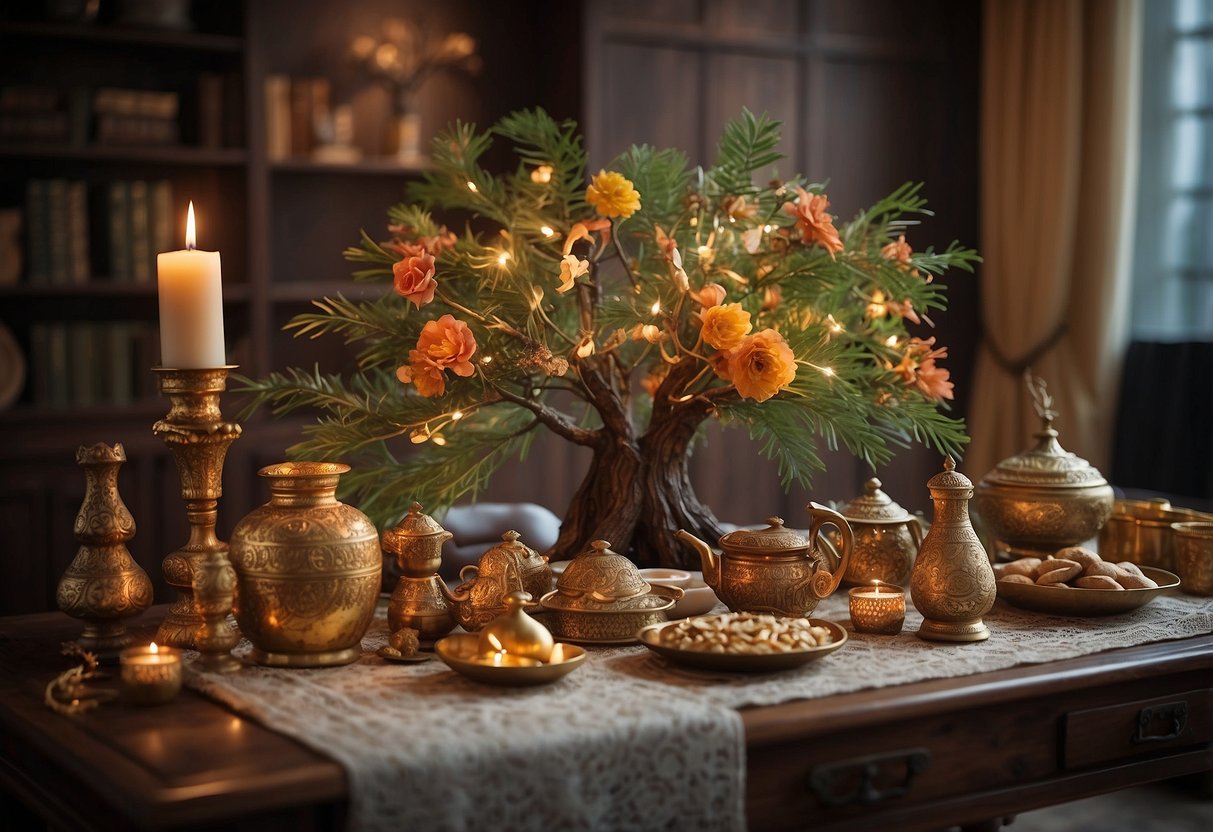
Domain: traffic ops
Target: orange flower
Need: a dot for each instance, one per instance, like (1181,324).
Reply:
(899,250)
(440,242)
(444,344)
(719,361)
(762,365)
(413,278)
(918,368)
(933,380)
(581,231)
(725,327)
(665,243)
(406,250)
(772,296)
(571,267)
(612,195)
(812,221)
(711,295)
(880,306)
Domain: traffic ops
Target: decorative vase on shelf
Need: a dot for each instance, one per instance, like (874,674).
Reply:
(308,569)
(103,585)
(952,583)
(407,137)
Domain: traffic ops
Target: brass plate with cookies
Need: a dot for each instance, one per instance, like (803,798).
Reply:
(1072,601)
(650,637)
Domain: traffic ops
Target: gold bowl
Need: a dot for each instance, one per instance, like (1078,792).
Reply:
(1072,601)
(615,623)
(461,652)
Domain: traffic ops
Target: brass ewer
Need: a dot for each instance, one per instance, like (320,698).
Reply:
(510,566)
(1045,498)
(103,585)
(198,437)
(419,600)
(952,583)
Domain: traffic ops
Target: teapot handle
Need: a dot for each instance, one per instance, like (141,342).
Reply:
(823,516)
(915,532)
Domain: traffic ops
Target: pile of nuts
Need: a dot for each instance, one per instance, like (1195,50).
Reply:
(744,633)
(1074,567)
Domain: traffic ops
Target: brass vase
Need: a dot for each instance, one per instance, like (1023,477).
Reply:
(103,585)
(308,570)
(952,583)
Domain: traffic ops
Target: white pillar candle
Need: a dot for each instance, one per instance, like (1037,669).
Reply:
(191,306)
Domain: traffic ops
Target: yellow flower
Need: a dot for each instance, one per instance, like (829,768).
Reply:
(762,365)
(725,327)
(612,195)
(571,267)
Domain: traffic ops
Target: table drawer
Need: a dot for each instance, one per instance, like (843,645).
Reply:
(1135,729)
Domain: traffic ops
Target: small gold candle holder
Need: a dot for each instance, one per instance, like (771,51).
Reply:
(151,675)
(877,608)
(198,437)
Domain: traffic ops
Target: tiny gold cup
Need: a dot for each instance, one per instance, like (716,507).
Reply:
(877,608)
(1194,557)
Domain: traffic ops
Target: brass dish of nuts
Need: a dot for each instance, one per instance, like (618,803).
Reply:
(733,641)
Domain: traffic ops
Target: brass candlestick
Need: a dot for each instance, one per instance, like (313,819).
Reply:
(195,432)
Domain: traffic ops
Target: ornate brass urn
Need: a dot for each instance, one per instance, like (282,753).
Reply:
(419,599)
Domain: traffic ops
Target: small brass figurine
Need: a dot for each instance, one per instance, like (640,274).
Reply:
(952,583)
(103,585)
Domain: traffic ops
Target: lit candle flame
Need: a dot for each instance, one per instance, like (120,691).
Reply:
(876,586)
(191,236)
(153,648)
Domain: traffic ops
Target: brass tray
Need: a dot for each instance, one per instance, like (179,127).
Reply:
(459,650)
(742,662)
(1086,602)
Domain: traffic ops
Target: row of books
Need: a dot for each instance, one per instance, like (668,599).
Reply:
(80,363)
(133,222)
(122,116)
(296,109)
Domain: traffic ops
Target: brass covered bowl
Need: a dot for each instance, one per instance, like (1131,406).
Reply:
(1043,499)
(602,598)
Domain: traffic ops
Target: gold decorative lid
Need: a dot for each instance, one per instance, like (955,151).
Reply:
(511,547)
(412,526)
(874,506)
(775,539)
(600,576)
(950,481)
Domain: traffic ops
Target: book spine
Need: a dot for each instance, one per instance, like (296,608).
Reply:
(57,223)
(119,223)
(81,364)
(161,219)
(277,117)
(210,110)
(120,360)
(302,137)
(78,232)
(140,233)
(56,365)
(36,232)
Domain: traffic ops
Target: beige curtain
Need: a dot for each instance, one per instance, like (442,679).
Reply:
(1059,151)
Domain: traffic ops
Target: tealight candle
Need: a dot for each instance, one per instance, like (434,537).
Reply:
(504,659)
(151,675)
(879,608)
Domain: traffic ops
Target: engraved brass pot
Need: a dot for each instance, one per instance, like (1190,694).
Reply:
(510,566)
(419,599)
(887,538)
(775,570)
(308,568)
(1043,499)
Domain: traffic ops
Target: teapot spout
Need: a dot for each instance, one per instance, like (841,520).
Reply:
(709,562)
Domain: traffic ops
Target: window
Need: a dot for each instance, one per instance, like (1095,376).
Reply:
(1173,260)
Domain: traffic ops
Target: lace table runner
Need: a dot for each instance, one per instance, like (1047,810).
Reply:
(627,741)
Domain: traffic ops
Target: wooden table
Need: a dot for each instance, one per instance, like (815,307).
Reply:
(919,756)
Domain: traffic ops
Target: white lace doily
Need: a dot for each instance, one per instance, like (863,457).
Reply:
(626,742)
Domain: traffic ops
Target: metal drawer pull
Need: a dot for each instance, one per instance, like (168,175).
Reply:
(1173,715)
(854,781)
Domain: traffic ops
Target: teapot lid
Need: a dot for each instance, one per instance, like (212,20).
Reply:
(775,538)
(602,574)
(874,506)
(512,547)
(412,526)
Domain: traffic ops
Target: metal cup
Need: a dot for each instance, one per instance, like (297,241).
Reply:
(1194,556)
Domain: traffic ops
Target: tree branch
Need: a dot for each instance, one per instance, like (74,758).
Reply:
(552,419)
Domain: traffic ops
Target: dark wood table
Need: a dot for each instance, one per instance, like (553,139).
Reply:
(919,756)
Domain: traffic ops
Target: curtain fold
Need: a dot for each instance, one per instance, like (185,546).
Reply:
(1059,161)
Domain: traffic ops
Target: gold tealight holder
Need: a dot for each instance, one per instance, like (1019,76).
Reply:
(877,608)
(151,675)
(197,435)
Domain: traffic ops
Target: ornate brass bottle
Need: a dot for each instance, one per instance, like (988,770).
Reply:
(103,585)
(952,583)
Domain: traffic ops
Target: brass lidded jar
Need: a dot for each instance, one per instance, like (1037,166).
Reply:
(308,568)
(1045,498)
(419,600)
(952,583)
(887,538)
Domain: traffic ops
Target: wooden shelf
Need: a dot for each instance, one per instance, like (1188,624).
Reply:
(120,35)
(153,154)
(374,166)
(232,292)
(316,289)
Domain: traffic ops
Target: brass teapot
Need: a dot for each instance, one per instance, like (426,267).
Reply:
(775,570)
(510,566)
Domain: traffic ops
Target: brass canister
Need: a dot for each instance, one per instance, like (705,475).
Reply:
(308,569)
(887,538)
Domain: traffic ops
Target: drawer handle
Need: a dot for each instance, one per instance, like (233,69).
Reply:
(1173,715)
(832,784)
